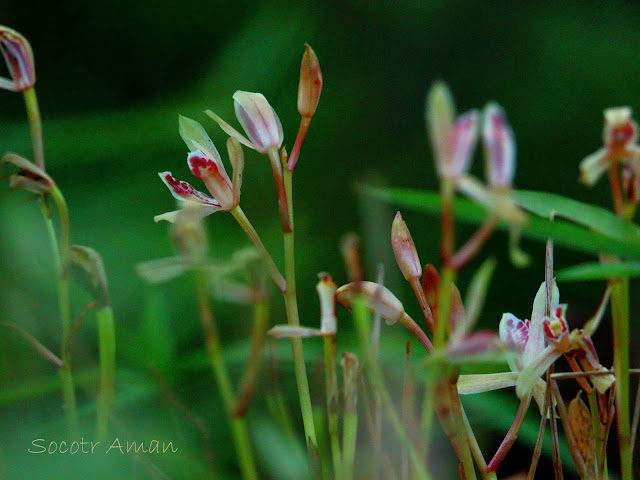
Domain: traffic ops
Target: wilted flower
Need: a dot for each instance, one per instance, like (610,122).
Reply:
(205,163)
(258,119)
(453,140)
(620,135)
(382,302)
(326,289)
(29,177)
(19,59)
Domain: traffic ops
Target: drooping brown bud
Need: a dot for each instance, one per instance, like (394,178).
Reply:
(88,270)
(310,86)
(29,177)
(379,298)
(19,58)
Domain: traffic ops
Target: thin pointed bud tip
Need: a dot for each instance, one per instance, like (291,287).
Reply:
(379,298)
(310,86)
(500,147)
(87,269)
(326,289)
(405,250)
(18,56)
(259,120)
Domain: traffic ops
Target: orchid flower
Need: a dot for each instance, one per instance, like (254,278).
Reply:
(527,340)
(326,289)
(620,135)
(205,163)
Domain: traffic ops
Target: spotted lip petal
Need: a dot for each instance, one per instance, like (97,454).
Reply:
(514,333)
(500,147)
(259,120)
(214,176)
(184,191)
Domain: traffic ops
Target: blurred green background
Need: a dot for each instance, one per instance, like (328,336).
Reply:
(112,78)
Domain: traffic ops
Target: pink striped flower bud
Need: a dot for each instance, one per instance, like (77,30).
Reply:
(499,146)
(19,59)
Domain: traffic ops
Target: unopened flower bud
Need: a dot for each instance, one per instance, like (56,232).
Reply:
(500,147)
(379,299)
(88,270)
(326,289)
(259,120)
(19,59)
(404,249)
(310,86)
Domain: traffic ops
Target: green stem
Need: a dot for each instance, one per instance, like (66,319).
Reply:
(461,432)
(620,314)
(214,351)
(253,236)
(60,252)
(291,304)
(376,379)
(107,341)
(349,435)
(35,125)
(331,386)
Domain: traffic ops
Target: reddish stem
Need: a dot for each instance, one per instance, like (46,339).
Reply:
(297,146)
(474,244)
(616,189)
(511,436)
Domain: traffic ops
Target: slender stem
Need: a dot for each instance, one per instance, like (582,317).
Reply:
(252,370)
(291,304)
(473,443)
(214,351)
(35,125)
(300,137)
(636,422)
(107,342)
(616,190)
(284,195)
(246,225)
(64,304)
(331,387)
(543,421)
(465,451)
(511,436)
(349,435)
(376,379)
(620,314)
(571,440)
(596,425)
(474,244)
